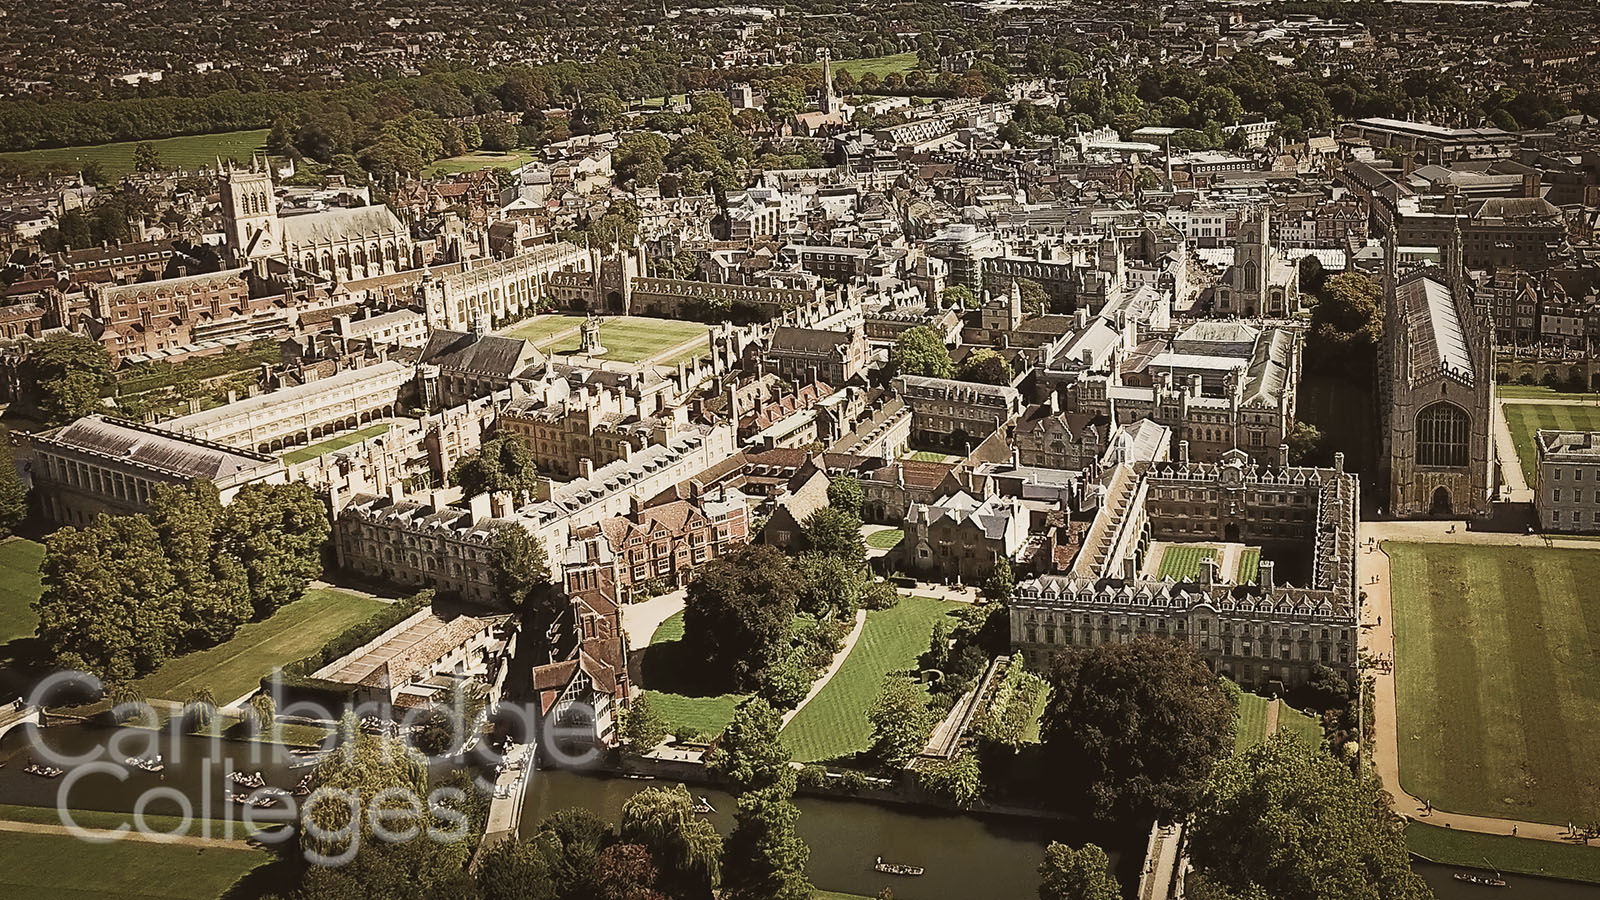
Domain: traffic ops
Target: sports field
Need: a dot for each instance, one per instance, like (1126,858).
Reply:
(1182,562)
(876,65)
(236,666)
(1525,420)
(337,443)
(667,677)
(834,724)
(116,160)
(482,159)
(61,866)
(1497,667)
(19,587)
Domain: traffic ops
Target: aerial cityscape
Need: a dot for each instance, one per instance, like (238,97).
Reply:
(978,450)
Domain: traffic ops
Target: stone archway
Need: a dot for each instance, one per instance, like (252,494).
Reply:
(1230,533)
(614,303)
(1441,505)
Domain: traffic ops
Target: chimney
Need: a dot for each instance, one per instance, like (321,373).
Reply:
(1183,453)
(500,504)
(1338,463)
(1283,456)
(481,506)
(1208,571)
(586,468)
(1264,576)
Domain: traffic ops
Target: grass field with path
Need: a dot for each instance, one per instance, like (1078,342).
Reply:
(630,339)
(684,709)
(61,866)
(237,665)
(876,65)
(1526,419)
(1182,562)
(542,330)
(483,159)
(1497,679)
(1249,565)
(834,724)
(1297,723)
(19,587)
(1504,852)
(337,443)
(886,539)
(116,160)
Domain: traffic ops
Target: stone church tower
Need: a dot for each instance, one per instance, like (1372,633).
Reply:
(251,212)
(1435,390)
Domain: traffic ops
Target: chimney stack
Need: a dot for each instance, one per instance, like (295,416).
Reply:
(1264,576)
(1183,453)
(1283,456)
(1338,462)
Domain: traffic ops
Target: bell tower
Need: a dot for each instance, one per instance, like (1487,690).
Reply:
(251,212)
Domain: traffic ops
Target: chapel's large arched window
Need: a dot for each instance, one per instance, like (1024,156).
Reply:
(1444,432)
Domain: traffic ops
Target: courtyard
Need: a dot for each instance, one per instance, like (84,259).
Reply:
(1526,419)
(626,339)
(1497,678)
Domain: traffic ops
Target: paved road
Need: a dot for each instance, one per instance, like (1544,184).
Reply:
(1517,488)
(1377,639)
(640,620)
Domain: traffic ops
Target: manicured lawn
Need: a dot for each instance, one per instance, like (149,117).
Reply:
(1525,420)
(542,330)
(60,866)
(834,724)
(929,456)
(337,443)
(189,152)
(1249,565)
(19,587)
(1297,723)
(1342,411)
(1182,562)
(1251,727)
(684,708)
(886,539)
(1540,392)
(1497,666)
(234,667)
(472,162)
(879,66)
(1506,853)
(632,339)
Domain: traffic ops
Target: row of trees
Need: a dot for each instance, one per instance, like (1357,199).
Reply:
(124,594)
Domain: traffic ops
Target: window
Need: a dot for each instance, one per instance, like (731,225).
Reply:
(1556,495)
(1443,434)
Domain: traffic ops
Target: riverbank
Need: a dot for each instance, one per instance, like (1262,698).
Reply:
(1446,846)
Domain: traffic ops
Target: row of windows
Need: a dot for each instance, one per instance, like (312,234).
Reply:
(1577,518)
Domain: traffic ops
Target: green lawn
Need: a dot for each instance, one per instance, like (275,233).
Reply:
(1249,565)
(879,65)
(542,330)
(1497,654)
(1251,726)
(632,339)
(1540,392)
(930,456)
(834,724)
(19,587)
(338,443)
(234,667)
(1297,723)
(685,709)
(60,866)
(1504,852)
(116,160)
(1182,562)
(1525,419)
(886,539)
(483,159)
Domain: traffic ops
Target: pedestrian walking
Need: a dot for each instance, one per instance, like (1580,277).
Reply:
(1513,831)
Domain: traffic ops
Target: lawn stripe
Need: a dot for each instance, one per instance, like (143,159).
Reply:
(1577,674)
(1513,636)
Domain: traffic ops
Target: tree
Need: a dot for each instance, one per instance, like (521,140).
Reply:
(146,158)
(70,371)
(626,872)
(278,533)
(739,614)
(985,366)
(1305,444)
(108,605)
(921,351)
(518,870)
(577,837)
(959,296)
(1346,326)
(13,495)
(844,492)
(642,726)
(201,708)
(364,765)
(958,779)
(1138,727)
(641,158)
(1082,874)
(504,463)
(1288,821)
(766,859)
(900,721)
(749,755)
(829,587)
(685,847)
(836,533)
(1034,298)
(264,711)
(1000,584)
(521,572)
(210,582)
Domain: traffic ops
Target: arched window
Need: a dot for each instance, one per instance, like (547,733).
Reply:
(1252,276)
(1443,434)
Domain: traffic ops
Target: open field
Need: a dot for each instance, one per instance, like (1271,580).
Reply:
(1293,721)
(1250,728)
(834,724)
(336,443)
(1540,392)
(631,339)
(116,160)
(1249,565)
(236,666)
(879,66)
(1504,852)
(1497,654)
(1182,562)
(483,159)
(19,587)
(1525,420)
(930,456)
(542,330)
(60,866)
(667,679)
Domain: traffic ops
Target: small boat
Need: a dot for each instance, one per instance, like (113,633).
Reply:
(1481,880)
(896,869)
(249,781)
(44,771)
(304,787)
(306,760)
(703,807)
(154,764)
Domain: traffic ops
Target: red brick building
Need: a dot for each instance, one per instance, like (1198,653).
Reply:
(660,544)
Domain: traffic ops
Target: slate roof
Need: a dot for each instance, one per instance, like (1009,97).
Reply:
(500,357)
(164,451)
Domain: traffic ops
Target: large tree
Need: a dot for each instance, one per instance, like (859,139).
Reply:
(685,847)
(521,573)
(109,605)
(1288,821)
(70,372)
(211,582)
(1136,727)
(921,351)
(844,492)
(836,533)
(1082,874)
(900,722)
(519,869)
(749,754)
(986,367)
(1346,326)
(364,765)
(504,463)
(766,859)
(739,615)
(13,495)
(278,533)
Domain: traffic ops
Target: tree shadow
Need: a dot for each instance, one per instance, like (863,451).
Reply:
(672,667)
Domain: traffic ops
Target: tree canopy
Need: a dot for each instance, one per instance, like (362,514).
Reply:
(749,754)
(503,463)
(1081,874)
(739,614)
(70,371)
(921,351)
